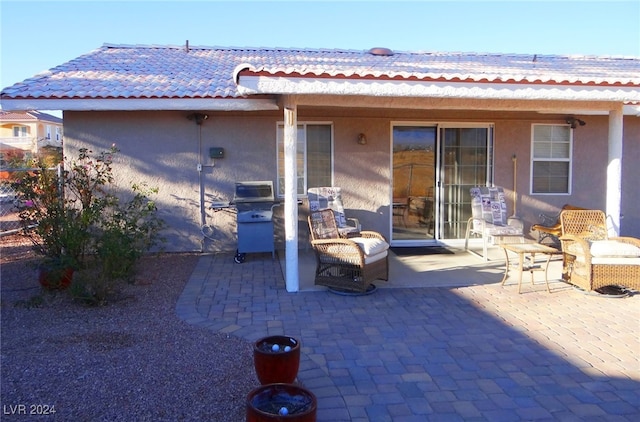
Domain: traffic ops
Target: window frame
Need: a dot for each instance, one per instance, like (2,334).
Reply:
(568,160)
(20,131)
(280,142)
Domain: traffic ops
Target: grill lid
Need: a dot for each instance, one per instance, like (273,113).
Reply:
(254,191)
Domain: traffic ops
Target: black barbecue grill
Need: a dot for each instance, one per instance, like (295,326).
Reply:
(254,202)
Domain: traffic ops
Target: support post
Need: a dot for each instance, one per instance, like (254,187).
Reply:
(614,170)
(291,196)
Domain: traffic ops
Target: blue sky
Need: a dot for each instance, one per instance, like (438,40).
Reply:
(38,35)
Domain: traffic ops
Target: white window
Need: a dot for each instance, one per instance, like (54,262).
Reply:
(314,156)
(48,132)
(20,131)
(551,147)
(58,133)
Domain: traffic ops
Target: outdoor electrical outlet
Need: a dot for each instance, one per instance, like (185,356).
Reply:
(216,152)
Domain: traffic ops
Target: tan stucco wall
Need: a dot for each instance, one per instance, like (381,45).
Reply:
(161,148)
(630,223)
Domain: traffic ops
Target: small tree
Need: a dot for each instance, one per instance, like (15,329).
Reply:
(74,219)
(57,230)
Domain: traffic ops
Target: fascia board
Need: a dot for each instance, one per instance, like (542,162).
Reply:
(138,104)
(281,85)
(633,110)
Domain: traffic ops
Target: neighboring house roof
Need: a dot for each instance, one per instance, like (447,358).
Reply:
(28,116)
(170,72)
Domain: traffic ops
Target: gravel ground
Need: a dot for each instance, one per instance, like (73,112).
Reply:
(131,359)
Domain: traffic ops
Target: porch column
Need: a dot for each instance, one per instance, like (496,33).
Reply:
(614,170)
(291,196)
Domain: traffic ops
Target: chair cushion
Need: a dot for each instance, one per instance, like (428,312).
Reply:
(377,257)
(613,249)
(371,246)
(614,261)
(489,204)
(348,231)
(495,230)
(595,233)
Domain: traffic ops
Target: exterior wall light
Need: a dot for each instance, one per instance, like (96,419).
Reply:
(362,139)
(198,117)
(574,122)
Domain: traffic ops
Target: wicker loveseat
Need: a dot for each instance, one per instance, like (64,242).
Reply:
(350,264)
(592,259)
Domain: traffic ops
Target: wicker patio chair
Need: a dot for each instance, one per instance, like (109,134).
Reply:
(592,259)
(346,264)
(550,229)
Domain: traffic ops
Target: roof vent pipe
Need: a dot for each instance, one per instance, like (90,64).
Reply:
(186,46)
(381,51)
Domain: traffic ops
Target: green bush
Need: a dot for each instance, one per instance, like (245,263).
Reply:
(75,219)
(131,229)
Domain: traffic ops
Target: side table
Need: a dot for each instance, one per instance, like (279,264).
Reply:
(522,249)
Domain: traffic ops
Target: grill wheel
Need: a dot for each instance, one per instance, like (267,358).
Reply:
(239,258)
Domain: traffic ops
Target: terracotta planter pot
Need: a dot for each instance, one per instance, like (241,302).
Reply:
(55,279)
(276,366)
(268,403)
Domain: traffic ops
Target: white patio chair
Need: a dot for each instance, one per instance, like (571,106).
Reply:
(330,197)
(489,219)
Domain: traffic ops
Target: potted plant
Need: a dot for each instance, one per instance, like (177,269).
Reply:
(276,359)
(281,402)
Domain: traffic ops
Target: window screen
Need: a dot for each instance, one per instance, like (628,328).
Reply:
(314,157)
(551,159)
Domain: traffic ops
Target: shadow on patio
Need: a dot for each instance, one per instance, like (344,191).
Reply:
(456,269)
(466,349)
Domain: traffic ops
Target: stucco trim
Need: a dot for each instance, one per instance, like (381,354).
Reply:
(139,104)
(253,85)
(631,110)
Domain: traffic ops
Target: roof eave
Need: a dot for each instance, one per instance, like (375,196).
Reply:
(139,104)
(290,85)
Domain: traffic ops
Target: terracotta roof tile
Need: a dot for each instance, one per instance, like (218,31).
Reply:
(33,115)
(122,71)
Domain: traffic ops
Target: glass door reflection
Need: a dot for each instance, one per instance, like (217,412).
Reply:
(414,162)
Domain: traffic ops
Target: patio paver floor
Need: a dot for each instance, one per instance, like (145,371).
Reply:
(475,352)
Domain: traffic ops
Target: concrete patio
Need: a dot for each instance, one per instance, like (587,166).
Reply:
(441,340)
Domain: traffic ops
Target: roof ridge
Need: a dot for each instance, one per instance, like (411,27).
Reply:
(227,48)
(364,51)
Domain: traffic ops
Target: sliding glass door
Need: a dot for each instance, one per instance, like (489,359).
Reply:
(434,166)
(414,181)
(466,161)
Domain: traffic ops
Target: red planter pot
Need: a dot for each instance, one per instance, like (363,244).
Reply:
(55,279)
(276,366)
(266,404)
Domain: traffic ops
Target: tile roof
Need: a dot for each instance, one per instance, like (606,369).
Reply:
(140,72)
(24,116)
